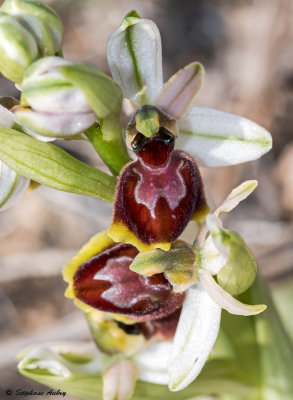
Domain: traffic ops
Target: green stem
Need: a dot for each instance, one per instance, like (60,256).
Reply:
(112,152)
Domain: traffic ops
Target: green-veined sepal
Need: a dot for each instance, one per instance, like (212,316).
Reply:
(18,48)
(41,20)
(215,138)
(135,59)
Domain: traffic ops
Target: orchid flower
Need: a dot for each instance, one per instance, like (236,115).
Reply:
(152,301)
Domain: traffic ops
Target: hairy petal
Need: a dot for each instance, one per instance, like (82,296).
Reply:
(178,93)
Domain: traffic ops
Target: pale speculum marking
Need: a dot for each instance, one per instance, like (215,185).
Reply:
(159,182)
(127,286)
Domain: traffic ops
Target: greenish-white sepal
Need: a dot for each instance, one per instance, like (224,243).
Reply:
(41,20)
(210,257)
(215,227)
(178,93)
(7,118)
(39,137)
(55,125)
(58,364)
(49,165)
(195,337)
(119,380)
(217,138)
(12,187)
(102,94)
(237,195)
(128,109)
(44,358)
(47,90)
(18,48)
(224,299)
(239,272)
(135,60)
(153,362)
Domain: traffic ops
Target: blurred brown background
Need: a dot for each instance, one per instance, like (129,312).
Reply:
(246,48)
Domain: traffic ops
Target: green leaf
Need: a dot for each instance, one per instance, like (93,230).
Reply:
(51,166)
(275,349)
(262,347)
(102,93)
(283,297)
(112,152)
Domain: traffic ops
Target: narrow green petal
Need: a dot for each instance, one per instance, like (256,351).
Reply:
(237,195)
(224,299)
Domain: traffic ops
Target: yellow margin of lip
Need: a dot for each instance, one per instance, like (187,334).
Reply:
(95,245)
(120,233)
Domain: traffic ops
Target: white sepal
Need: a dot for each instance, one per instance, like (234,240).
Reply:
(215,227)
(54,125)
(12,187)
(217,138)
(119,380)
(224,299)
(153,362)
(195,336)
(135,60)
(44,358)
(7,118)
(210,257)
(236,196)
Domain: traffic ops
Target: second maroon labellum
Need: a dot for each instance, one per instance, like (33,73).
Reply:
(157,194)
(106,283)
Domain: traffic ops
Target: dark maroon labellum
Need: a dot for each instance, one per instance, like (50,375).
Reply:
(159,193)
(105,282)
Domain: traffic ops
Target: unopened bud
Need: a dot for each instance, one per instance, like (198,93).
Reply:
(28,30)
(57,108)
(18,48)
(42,22)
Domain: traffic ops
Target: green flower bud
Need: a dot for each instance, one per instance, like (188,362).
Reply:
(18,48)
(58,108)
(29,30)
(41,20)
